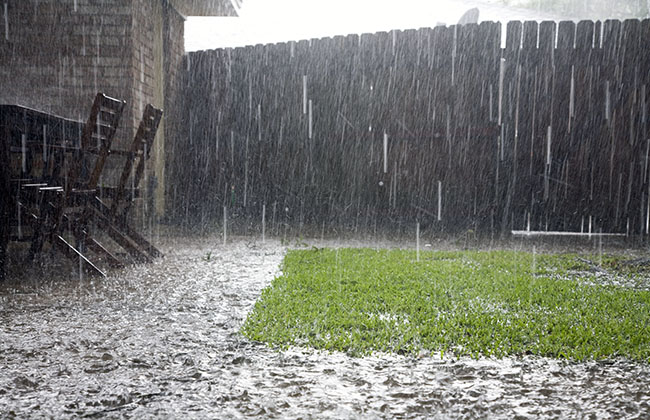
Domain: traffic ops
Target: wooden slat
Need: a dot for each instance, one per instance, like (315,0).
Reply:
(586,103)
(74,255)
(99,249)
(120,238)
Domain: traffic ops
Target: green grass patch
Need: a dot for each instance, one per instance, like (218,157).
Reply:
(473,303)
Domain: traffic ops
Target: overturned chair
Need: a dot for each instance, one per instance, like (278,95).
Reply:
(66,206)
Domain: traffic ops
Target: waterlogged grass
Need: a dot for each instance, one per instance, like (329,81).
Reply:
(468,303)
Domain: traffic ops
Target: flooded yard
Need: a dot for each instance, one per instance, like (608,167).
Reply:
(162,340)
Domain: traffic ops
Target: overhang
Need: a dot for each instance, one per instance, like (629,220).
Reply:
(207,7)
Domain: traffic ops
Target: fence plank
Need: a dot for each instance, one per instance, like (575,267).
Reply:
(300,126)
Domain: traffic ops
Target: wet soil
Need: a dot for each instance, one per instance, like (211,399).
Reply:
(161,340)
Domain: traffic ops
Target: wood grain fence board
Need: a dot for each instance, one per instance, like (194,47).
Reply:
(613,178)
(582,120)
(432,120)
(628,122)
(559,142)
(644,79)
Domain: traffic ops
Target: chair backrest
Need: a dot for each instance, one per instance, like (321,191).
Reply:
(141,147)
(97,137)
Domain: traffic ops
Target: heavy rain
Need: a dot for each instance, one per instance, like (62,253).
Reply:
(173,173)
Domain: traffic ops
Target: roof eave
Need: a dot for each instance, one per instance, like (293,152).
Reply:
(207,7)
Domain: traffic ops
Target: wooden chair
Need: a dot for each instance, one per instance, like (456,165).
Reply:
(97,137)
(113,219)
(59,207)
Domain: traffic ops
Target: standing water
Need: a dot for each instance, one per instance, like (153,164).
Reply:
(162,340)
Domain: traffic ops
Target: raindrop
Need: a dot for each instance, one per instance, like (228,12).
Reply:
(572,97)
(75,5)
(417,241)
(385,153)
(99,131)
(229,66)
(644,105)
(246,173)
(304,93)
(439,200)
(453,56)
(502,73)
(310,118)
(275,208)
(600,246)
(647,216)
(83,39)
(548,145)
(232,148)
(607,101)
(501,143)
(216,145)
(490,103)
(81,271)
(534,265)
(225,224)
(132,182)
(259,122)
(144,190)
(44,143)
(20,225)
(250,96)
(6,23)
(23,149)
(263,223)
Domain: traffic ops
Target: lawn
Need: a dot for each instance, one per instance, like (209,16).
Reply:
(491,303)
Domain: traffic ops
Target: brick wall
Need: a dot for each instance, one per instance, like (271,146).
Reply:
(173,35)
(142,57)
(55,55)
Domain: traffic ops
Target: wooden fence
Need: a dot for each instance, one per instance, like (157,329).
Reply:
(442,125)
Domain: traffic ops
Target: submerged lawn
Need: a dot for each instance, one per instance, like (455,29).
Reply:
(468,303)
